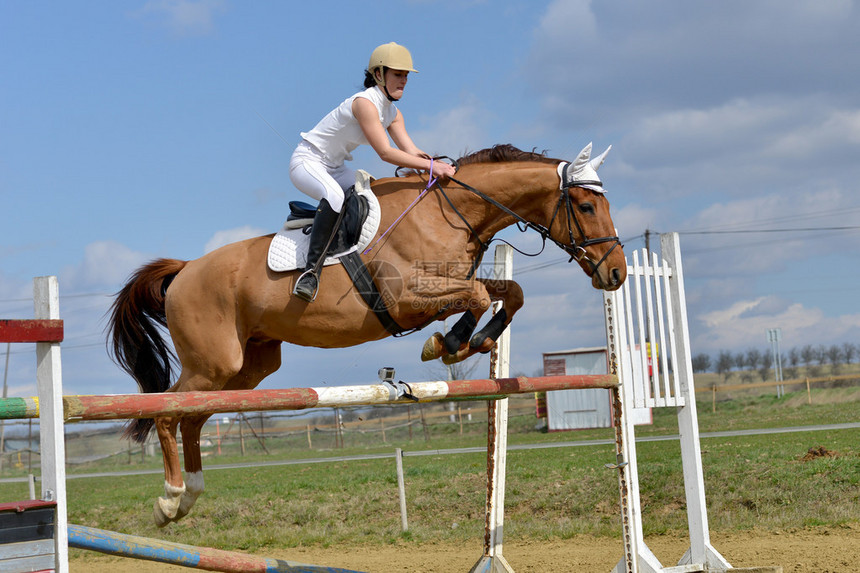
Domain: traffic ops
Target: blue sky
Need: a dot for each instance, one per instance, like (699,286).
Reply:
(133,130)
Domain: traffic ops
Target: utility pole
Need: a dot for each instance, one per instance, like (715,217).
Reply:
(648,240)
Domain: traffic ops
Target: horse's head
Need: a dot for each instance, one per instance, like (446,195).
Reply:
(581,223)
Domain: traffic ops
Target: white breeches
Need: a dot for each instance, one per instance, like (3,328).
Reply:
(312,176)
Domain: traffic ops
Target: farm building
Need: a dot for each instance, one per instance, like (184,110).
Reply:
(581,409)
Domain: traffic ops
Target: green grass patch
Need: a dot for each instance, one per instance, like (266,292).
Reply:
(772,482)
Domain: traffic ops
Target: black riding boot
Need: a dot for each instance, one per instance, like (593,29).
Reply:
(322,234)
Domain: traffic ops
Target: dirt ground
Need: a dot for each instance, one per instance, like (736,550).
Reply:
(830,550)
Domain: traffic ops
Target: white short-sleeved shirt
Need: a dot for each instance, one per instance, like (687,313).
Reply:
(339,133)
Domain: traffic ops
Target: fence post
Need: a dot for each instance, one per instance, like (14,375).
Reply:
(401,487)
(49,377)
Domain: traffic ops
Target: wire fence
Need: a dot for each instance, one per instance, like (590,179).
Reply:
(91,445)
(778,388)
(286,434)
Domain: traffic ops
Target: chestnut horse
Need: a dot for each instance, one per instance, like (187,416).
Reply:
(227,313)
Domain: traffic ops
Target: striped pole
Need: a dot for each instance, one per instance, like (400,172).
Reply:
(124,406)
(136,547)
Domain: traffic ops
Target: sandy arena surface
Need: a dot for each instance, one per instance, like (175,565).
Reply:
(830,550)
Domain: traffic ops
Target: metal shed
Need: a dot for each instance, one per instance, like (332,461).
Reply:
(581,409)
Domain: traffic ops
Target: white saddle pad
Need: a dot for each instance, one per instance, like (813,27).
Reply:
(289,248)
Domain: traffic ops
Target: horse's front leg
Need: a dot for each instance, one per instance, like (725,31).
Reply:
(511,296)
(166,507)
(433,294)
(453,347)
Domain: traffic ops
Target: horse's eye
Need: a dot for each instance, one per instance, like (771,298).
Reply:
(586,209)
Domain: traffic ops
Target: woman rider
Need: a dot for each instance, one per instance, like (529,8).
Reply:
(317,165)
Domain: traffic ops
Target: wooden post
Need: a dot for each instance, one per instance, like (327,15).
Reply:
(460,418)
(409,420)
(382,425)
(714,398)
(262,433)
(808,393)
(310,445)
(424,423)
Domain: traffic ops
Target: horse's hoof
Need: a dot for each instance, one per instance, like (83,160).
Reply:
(161,519)
(433,348)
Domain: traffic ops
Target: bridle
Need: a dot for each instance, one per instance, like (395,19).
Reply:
(576,250)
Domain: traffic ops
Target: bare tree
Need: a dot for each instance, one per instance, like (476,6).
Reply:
(793,361)
(821,354)
(848,352)
(753,358)
(834,357)
(724,364)
(766,363)
(741,364)
(808,354)
(701,363)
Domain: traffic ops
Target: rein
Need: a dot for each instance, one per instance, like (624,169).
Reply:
(575,250)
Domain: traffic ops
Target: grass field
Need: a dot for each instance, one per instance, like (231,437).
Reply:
(763,482)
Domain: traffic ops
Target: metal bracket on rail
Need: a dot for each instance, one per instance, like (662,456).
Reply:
(398,389)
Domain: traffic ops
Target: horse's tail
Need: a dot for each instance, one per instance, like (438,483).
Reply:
(135,339)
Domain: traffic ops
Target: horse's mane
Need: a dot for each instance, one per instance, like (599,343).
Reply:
(501,153)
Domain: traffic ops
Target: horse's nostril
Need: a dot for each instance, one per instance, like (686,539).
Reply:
(616,276)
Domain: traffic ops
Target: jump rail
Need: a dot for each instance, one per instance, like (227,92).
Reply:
(123,406)
(137,547)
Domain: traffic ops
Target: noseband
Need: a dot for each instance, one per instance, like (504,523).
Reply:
(577,251)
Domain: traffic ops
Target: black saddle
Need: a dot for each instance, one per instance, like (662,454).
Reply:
(301,210)
(353,215)
(355,210)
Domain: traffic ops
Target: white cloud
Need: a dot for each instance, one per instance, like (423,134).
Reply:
(565,17)
(227,236)
(105,263)
(744,323)
(454,131)
(186,17)
(632,218)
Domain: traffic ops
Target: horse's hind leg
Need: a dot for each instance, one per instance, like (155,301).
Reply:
(260,360)
(165,507)
(190,428)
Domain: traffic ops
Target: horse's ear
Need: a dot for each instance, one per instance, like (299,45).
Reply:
(598,161)
(582,159)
